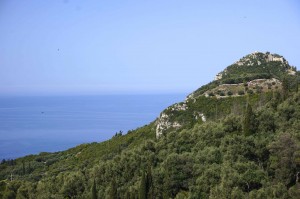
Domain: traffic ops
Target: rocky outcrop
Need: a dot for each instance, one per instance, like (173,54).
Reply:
(164,121)
(178,107)
(291,71)
(198,115)
(259,57)
(218,76)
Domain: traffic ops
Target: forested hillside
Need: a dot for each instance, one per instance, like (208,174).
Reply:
(245,146)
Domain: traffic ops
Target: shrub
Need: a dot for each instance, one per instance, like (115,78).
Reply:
(229,93)
(250,92)
(269,86)
(259,89)
(219,92)
(241,92)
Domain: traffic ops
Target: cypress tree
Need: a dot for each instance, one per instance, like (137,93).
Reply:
(113,190)
(127,195)
(23,168)
(249,121)
(297,85)
(285,88)
(29,168)
(143,188)
(94,190)
(149,182)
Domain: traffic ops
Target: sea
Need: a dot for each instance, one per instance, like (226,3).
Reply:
(31,124)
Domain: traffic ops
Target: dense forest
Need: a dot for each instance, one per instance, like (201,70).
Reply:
(249,148)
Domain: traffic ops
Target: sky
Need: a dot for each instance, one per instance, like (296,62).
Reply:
(82,47)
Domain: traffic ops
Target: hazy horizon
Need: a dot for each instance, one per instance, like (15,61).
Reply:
(68,47)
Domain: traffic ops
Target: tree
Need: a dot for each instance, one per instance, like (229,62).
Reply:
(249,121)
(178,173)
(9,194)
(23,168)
(23,191)
(29,168)
(73,185)
(94,190)
(146,186)
(285,88)
(149,182)
(266,120)
(113,190)
(232,124)
(284,159)
(143,188)
(297,85)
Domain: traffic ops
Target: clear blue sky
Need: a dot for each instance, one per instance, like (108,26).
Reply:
(119,46)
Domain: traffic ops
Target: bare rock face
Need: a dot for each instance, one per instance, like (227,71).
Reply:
(179,107)
(291,71)
(198,115)
(164,122)
(218,76)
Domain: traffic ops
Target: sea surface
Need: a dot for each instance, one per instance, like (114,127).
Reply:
(30,125)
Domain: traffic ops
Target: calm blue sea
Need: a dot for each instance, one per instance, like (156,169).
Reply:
(30,125)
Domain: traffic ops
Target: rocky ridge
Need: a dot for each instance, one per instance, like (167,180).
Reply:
(246,68)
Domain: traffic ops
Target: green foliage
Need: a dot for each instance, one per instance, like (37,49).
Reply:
(214,159)
(113,194)
(73,185)
(285,88)
(249,123)
(236,78)
(251,69)
(23,168)
(149,182)
(229,93)
(178,172)
(94,190)
(206,87)
(282,158)
(240,151)
(143,188)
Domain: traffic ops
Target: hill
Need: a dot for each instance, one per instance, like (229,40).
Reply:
(259,75)
(254,66)
(209,146)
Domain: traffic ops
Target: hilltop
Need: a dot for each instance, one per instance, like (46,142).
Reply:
(219,143)
(254,74)
(251,67)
